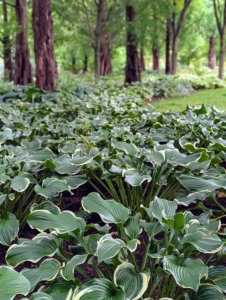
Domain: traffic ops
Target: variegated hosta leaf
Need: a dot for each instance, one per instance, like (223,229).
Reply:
(132,227)
(64,222)
(208,292)
(133,178)
(188,274)
(100,289)
(12,283)
(217,274)
(20,183)
(107,247)
(61,289)
(152,228)
(39,296)
(206,243)
(133,284)
(161,208)
(109,210)
(81,160)
(32,250)
(9,227)
(40,155)
(47,271)
(67,271)
(74,181)
(51,187)
(128,148)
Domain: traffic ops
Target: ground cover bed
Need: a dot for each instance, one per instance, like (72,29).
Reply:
(102,197)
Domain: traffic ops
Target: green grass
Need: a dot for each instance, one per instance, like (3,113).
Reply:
(216,97)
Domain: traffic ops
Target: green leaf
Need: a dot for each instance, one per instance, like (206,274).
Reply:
(134,285)
(9,228)
(205,243)
(63,222)
(101,289)
(109,210)
(208,292)
(132,227)
(47,271)
(51,187)
(133,178)
(188,274)
(20,183)
(217,274)
(129,149)
(61,289)
(107,247)
(32,250)
(40,155)
(12,283)
(152,228)
(67,272)
(40,296)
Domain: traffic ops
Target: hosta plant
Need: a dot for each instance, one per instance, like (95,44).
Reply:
(168,245)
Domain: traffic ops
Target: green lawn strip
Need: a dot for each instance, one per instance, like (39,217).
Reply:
(214,97)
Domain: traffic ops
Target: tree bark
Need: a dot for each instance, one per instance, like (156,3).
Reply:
(46,68)
(174,55)
(97,45)
(132,70)
(155,58)
(85,64)
(212,54)
(222,31)
(22,58)
(73,64)
(142,61)
(8,66)
(168,57)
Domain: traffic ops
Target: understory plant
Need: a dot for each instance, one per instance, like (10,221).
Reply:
(133,258)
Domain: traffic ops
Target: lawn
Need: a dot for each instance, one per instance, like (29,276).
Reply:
(213,97)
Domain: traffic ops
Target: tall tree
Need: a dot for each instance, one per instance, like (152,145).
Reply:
(132,70)
(46,68)
(22,56)
(221,25)
(7,56)
(176,22)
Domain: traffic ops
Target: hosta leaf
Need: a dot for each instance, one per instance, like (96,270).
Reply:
(12,283)
(107,247)
(132,245)
(217,274)
(100,289)
(40,155)
(188,274)
(9,227)
(61,289)
(20,183)
(64,222)
(161,208)
(51,187)
(109,210)
(203,242)
(32,250)
(135,179)
(134,285)
(81,160)
(207,292)
(74,181)
(129,149)
(152,228)
(39,296)
(5,135)
(67,272)
(132,227)
(47,271)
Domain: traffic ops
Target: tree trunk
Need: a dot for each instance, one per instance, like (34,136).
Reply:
(73,64)
(142,61)
(46,68)
(222,51)
(155,58)
(174,55)
(168,58)
(85,64)
(8,66)
(22,58)
(212,54)
(105,56)
(97,46)
(132,70)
